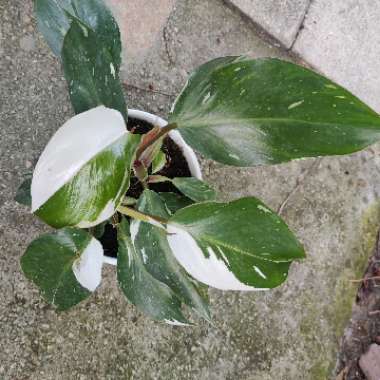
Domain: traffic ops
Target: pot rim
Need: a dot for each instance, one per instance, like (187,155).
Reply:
(188,153)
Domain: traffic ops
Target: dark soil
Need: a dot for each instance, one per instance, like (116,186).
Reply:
(109,240)
(364,326)
(176,167)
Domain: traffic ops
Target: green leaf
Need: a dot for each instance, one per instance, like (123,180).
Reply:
(148,294)
(175,202)
(90,71)
(245,112)
(98,231)
(159,162)
(84,171)
(194,189)
(54,18)
(23,195)
(241,245)
(66,266)
(158,258)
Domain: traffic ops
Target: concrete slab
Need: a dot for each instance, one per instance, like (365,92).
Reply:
(291,333)
(341,39)
(141,24)
(280,18)
(370,362)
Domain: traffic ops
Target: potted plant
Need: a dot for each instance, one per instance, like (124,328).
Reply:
(104,172)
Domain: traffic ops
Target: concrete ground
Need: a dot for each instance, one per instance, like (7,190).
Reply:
(332,204)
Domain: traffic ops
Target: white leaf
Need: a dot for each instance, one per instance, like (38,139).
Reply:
(88,268)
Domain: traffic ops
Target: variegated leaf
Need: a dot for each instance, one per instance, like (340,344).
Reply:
(241,245)
(245,112)
(149,295)
(90,71)
(54,18)
(66,266)
(84,171)
(158,258)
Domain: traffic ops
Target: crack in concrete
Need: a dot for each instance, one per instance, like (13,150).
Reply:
(268,38)
(302,25)
(260,31)
(300,180)
(166,38)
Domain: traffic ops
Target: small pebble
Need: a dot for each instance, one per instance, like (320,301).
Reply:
(26,19)
(27,43)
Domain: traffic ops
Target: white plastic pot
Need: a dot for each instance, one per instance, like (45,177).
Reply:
(188,153)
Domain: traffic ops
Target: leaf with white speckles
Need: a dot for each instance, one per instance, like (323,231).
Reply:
(246,112)
(159,260)
(54,18)
(90,72)
(149,295)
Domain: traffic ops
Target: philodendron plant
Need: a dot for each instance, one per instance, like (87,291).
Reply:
(234,110)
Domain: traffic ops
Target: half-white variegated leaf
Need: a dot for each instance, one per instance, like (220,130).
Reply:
(84,170)
(66,266)
(241,245)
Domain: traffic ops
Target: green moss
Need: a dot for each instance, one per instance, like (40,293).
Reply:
(370,226)
(362,250)
(319,370)
(307,325)
(339,311)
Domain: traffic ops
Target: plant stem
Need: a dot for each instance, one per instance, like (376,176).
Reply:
(144,184)
(128,201)
(141,216)
(141,173)
(158,179)
(163,131)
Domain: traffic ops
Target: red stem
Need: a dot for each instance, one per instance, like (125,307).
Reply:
(163,131)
